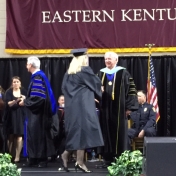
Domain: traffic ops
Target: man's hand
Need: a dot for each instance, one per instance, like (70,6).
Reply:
(128,113)
(102,88)
(141,134)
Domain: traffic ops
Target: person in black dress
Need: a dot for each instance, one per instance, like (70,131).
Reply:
(1,103)
(82,129)
(14,118)
(1,115)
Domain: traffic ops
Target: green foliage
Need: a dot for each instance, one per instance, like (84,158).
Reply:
(128,164)
(6,167)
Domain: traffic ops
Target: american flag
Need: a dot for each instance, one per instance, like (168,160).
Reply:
(152,97)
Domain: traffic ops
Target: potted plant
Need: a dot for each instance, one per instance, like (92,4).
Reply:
(6,167)
(128,164)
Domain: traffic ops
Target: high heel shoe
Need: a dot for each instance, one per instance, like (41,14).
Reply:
(77,166)
(15,162)
(62,164)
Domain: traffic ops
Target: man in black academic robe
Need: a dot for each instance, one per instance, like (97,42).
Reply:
(118,100)
(42,111)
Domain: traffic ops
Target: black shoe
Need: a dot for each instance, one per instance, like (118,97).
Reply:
(29,164)
(101,166)
(15,162)
(42,165)
(52,158)
(77,166)
(62,165)
(73,159)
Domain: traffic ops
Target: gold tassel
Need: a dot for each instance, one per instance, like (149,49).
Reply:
(113,87)
(112,95)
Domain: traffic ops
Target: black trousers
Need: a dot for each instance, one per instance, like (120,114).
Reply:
(133,132)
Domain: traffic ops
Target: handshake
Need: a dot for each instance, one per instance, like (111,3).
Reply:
(19,100)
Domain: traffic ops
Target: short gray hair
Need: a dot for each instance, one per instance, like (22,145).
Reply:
(34,61)
(111,54)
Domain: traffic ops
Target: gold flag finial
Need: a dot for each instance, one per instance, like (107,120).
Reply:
(150,45)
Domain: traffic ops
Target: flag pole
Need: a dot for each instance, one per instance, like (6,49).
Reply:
(148,84)
(151,84)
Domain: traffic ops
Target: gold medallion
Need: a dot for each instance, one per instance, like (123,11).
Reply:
(110,83)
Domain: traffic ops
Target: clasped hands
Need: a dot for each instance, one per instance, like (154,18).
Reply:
(21,100)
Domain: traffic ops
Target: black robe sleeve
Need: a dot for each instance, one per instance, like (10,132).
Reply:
(35,103)
(92,81)
(131,102)
(64,82)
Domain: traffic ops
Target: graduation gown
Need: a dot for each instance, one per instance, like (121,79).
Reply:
(116,99)
(38,102)
(82,126)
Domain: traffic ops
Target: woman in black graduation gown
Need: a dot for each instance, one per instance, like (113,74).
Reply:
(80,87)
(14,117)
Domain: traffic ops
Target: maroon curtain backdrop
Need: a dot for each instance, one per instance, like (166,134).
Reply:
(65,24)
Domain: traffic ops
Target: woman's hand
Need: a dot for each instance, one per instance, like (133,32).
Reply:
(11,103)
(21,103)
(96,100)
(18,99)
(23,97)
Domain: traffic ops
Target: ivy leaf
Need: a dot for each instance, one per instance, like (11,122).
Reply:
(128,164)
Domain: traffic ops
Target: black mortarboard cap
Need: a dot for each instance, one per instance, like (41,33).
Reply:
(79,52)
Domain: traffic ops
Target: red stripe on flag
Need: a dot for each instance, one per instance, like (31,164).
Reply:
(152,97)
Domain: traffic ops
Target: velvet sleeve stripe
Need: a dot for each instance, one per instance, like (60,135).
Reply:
(38,94)
(132,88)
(38,81)
(39,87)
(38,90)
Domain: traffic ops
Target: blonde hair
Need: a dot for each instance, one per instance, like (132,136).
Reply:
(77,63)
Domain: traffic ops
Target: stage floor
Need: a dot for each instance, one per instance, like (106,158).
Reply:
(53,169)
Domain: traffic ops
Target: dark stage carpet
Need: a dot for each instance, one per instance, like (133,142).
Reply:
(53,169)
